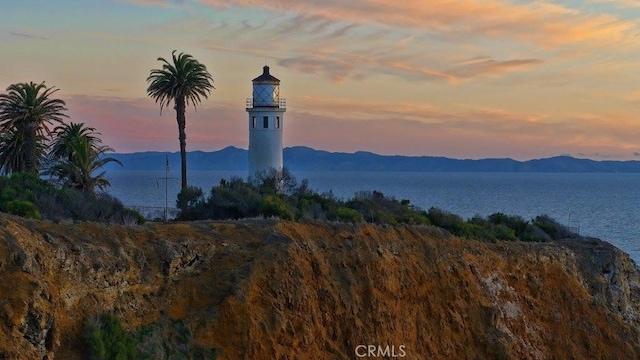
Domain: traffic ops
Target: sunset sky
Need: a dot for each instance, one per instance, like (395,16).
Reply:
(463,79)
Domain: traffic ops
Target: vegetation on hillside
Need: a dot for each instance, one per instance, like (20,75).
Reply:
(71,154)
(277,194)
(27,195)
(106,339)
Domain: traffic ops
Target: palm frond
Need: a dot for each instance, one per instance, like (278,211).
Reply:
(81,156)
(184,78)
(26,111)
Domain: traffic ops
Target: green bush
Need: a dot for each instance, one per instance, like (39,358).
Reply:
(274,206)
(552,228)
(276,194)
(496,227)
(534,234)
(132,216)
(22,208)
(273,181)
(106,339)
(515,223)
(349,215)
(377,208)
(415,218)
(25,194)
(451,222)
(188,197)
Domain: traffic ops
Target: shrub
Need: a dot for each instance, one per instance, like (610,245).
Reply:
(515,223)
(131,216)
(276,194)
(552,228)
(188,197)
(534,234)
(503,232)
(22,208)
(106,339)
(275,206)
(446,220)
(349,215)
(415,218)
(25,194)
(235,199)
(274,181)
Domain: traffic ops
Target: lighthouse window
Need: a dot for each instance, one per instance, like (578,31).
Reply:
(254,122)
(265,122)
(277,122)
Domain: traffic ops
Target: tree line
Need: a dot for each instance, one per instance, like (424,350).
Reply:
(36,142)
(70,153)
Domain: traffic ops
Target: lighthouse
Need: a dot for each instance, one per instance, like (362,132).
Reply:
(266,121)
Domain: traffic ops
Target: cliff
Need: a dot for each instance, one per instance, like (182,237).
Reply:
(281,290)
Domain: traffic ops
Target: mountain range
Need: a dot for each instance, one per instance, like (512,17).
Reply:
(300,158)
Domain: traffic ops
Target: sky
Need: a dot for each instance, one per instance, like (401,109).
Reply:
(458,78)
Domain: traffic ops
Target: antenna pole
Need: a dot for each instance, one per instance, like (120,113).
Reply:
(166,179)
(166,188)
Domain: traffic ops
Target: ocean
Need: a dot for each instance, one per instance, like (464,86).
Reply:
(606,206)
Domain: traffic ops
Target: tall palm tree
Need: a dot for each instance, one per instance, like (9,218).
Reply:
(26,110)
(82,157)
(184,81)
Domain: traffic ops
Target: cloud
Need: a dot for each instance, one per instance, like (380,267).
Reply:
(454,42)
(621,3)
(537,23)
(334,69)
(27,36)
(632,98)
(357,66)
(484,66)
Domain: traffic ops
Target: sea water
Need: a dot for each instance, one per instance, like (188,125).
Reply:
(600,205)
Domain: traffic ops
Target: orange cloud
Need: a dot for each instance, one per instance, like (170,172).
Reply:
(538,23)
(490,66)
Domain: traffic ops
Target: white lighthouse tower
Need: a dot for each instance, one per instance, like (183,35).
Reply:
(266,121)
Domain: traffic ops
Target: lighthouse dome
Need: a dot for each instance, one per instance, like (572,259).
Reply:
(266,77)
(266,89)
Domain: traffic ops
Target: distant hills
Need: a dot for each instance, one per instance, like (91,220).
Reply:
(300,158)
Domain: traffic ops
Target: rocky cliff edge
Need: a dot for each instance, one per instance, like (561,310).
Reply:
(283,290)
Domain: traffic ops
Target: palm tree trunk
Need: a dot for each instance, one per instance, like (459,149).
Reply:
(31,152)
(182,136)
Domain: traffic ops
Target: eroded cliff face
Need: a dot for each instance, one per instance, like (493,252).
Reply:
(281,290)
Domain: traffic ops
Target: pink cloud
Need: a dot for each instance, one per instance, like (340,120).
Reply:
(538,23)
